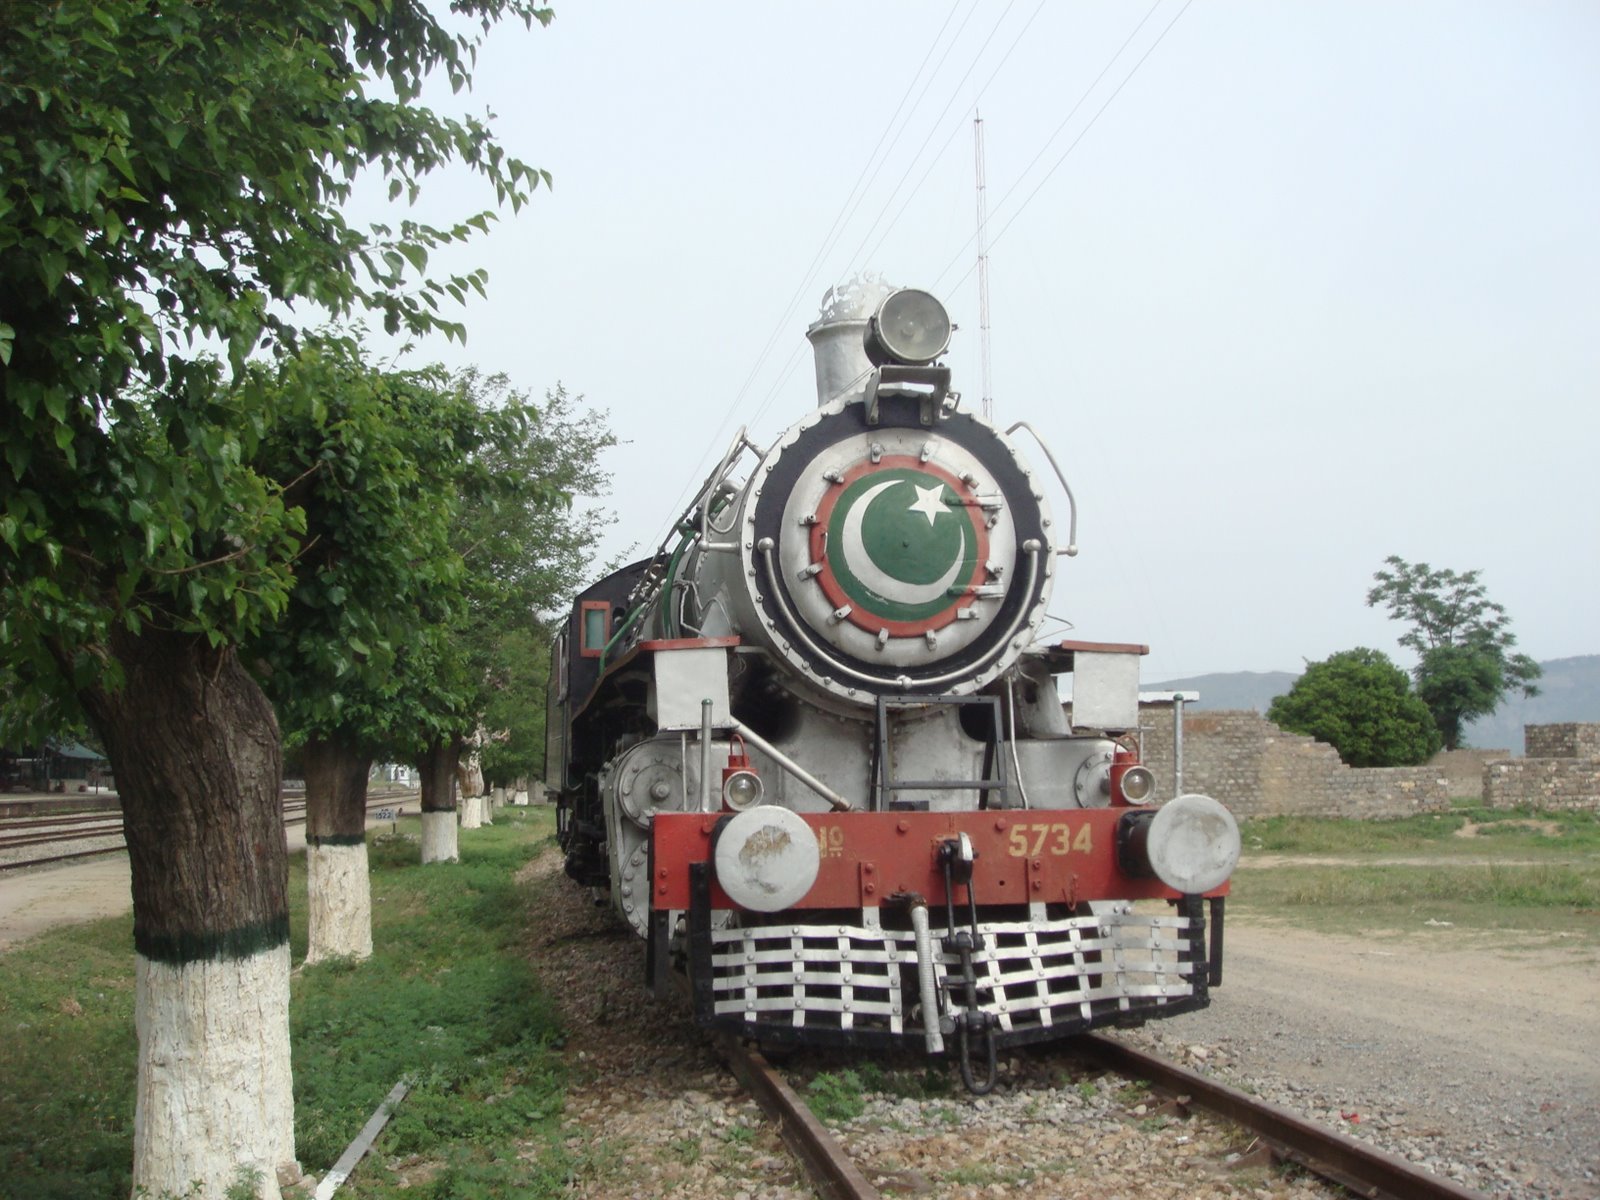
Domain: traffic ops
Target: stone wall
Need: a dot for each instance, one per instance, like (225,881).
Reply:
(1257,769)
(1463,769)
(1571,740)
(1543,783)
(1561,770)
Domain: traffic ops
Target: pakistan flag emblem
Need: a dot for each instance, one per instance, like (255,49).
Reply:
(899,547)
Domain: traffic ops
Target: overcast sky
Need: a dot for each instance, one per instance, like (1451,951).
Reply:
(1320,283)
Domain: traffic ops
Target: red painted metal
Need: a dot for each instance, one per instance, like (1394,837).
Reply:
(586,648)
(1104,647)
(705,643)
(1024,855)
(1121,759)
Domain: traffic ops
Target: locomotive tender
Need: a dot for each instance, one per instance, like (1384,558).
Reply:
(815,755)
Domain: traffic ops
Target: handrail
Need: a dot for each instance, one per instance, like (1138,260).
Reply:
(1071,549)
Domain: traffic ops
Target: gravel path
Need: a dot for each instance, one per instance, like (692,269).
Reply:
(1473,1058)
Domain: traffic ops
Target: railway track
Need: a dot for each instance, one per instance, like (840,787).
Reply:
(1280,1136)
(1081,1119)
(51,831)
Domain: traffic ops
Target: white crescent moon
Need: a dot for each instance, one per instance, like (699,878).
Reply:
(860,563)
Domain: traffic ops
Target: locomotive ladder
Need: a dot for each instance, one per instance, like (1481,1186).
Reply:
(994,779)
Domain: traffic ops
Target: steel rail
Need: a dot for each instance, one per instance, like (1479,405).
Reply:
(75,818)
(104,826)
(1363,1169)
(827,1165)
(378,800)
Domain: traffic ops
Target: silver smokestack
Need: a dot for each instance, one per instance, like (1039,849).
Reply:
(838,334)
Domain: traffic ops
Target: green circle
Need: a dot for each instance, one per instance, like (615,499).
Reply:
(912,536)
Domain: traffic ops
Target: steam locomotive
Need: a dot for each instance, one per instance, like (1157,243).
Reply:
(814,752)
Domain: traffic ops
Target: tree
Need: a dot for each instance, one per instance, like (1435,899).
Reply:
(1361,704)
(173,173)
(373,459)
(515,715)
(526,550)
(1463,642)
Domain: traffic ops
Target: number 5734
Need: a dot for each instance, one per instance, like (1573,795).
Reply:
(1032,841)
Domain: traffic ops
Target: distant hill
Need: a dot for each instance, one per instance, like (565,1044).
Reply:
(1569,691)
(1234,689)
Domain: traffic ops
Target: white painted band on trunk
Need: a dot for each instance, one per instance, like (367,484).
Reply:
(214,1093)
(471,812)
(340,894)
(439,837)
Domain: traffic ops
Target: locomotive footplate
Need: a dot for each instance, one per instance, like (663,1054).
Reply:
(1033,947)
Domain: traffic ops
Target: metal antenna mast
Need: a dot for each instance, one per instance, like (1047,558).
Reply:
(983,271)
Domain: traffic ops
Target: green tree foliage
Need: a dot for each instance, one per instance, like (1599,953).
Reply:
(1463,641)
(172,182)
(527,547)
(514,717)
(176,171)
(1361,704)
(376,461)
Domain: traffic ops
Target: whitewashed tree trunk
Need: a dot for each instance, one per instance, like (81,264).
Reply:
(470,776)
(198,763)
(340,894)
(437,770)
(337,885)
(439,840)
(203,1112)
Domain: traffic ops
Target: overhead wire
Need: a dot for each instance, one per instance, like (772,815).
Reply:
(856,262)
(852,201)
(1117,91)
(874,165)
(932,129)
(955,128)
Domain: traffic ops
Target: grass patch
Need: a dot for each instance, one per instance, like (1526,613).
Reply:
(66,1077)
(1511,830)
(836,1097)
(1535,886)
(445,999)
(1550,901)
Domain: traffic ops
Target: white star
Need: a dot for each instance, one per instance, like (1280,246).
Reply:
(929,501)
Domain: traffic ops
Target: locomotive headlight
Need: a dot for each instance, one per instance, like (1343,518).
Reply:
(910,327)
(1137,784)
(741,789)
(741,786)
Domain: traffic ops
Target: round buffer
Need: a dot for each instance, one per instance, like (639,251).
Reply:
(1193,844)
(766,858)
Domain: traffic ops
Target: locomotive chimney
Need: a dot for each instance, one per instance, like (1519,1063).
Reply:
(838,334)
